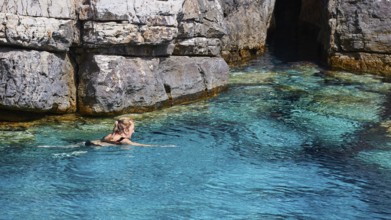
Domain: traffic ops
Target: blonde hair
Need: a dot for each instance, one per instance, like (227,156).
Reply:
(122,125)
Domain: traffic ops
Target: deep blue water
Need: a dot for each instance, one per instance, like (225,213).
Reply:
(285,141)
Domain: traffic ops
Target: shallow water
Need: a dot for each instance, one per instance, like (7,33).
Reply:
(286,141)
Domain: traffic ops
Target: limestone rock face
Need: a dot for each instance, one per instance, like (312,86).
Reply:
(201,28)
(133,28)
(37,32)
(198,46)
(64,9)
(134,11)
(116,84)
(36,81)
(187,77)
(124,50)
(360,35)
(247,22)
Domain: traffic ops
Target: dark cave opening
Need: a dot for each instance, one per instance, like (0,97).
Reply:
(294,32)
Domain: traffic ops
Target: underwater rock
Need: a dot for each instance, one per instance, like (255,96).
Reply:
(381,158)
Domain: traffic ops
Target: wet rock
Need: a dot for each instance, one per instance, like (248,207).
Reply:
(363,62)
(45,83)
(359,35)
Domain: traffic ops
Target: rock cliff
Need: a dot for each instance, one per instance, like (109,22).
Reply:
(360,35)
(247,23)
(102,57)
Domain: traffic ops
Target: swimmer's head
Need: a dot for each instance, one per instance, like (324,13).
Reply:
(123,126)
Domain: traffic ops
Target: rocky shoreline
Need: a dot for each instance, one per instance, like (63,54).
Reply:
(108,57)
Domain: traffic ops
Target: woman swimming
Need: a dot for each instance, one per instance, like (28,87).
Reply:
(121,135)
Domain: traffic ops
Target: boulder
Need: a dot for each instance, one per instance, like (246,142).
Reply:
(116,84)
(189,78)
(36,81)
(182,78)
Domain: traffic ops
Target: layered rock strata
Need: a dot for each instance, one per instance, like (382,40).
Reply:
(113,56)
(360,35)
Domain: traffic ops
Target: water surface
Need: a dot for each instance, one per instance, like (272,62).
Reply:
(285,141)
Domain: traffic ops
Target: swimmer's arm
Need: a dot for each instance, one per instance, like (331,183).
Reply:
(129,142)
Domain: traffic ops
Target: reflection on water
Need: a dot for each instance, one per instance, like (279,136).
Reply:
(287,140)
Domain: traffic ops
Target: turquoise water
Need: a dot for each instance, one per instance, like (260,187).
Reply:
(285,141)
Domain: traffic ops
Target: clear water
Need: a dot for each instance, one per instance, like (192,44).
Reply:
(286,141)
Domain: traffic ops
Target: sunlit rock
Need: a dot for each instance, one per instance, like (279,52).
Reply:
(43,84)
(184,77)
(114,84)
(359,35)
(37,32)
(245,33)
(64,9)
(137,12)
